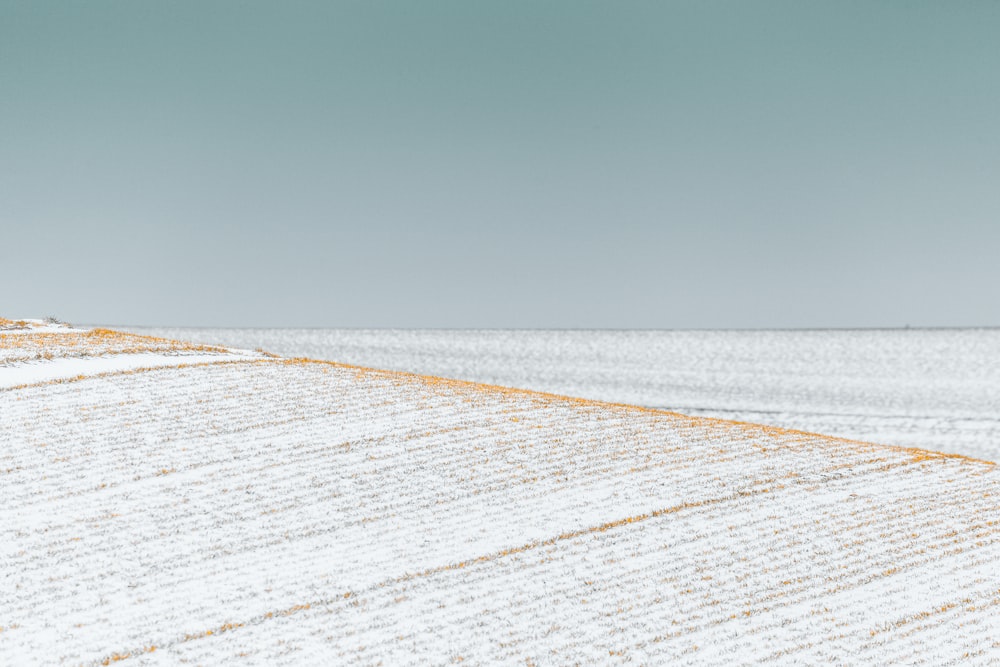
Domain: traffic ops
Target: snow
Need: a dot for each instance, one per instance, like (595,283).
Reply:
(32,325)
(28,345)
(276,511)
(932,388)
(36,372)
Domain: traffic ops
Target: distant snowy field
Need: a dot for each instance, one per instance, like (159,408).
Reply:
(932,388)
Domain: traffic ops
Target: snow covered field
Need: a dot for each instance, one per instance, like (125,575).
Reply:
(223,506)
(932,388)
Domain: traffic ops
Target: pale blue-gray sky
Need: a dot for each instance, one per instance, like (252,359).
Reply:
(501,164)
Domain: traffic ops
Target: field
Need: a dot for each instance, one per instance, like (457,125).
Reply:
(168,502)
(932,388)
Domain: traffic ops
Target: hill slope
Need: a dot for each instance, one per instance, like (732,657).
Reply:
(172,503)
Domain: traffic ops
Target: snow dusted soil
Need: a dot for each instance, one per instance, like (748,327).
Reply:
(932,388)
(241,508)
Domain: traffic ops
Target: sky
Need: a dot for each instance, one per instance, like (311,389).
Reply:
(510,164)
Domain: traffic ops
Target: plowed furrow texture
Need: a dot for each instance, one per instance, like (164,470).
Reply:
(288,512)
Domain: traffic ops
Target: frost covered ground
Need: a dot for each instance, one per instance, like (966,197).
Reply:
(931,388)
(172,503)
